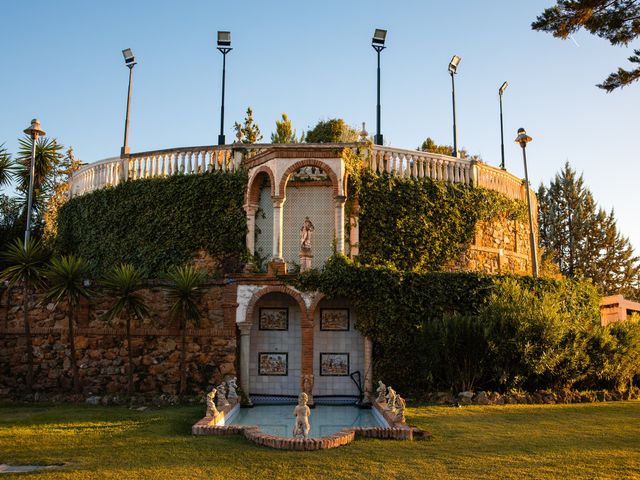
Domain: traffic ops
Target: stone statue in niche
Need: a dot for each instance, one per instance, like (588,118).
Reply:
(400,406)
(391,400)
(382,391)
(307,387)
(211,404)
(232,395)
(305,234)
(305,245)
(302,413)
(222,400)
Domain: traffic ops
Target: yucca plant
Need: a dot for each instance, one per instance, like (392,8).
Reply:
(7,166)
(184,290)
(65,282)
(25,264)
(124,283)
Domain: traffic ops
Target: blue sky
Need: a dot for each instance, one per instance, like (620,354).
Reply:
(63,64)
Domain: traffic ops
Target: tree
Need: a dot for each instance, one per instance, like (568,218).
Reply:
(184,289)
(11,222)
(249,133)
(582,239)
(25,267)
(65,277)
(429,145)
(285,132)
(124,283)
(334,130)
(59,193)
(617,21)
(7,167)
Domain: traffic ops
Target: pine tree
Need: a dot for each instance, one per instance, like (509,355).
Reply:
(618,21)
(285,132)
(582,239)
(248,133)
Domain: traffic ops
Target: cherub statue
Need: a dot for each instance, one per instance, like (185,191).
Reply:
(400,406)
(391,400)
(232,384)
(211,404)
(381,390)
(222,400)
(305,234)
(301,412)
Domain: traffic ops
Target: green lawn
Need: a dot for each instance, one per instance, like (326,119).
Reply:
(551,441)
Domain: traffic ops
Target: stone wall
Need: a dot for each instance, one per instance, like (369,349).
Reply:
(102,348)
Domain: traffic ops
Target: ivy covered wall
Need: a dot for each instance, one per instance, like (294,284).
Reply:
(158,223)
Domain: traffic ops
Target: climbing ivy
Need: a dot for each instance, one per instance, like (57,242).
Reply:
(157,223)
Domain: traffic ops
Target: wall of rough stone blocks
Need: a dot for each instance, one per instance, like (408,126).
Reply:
(102,347)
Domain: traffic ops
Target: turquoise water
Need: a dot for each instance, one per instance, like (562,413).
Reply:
(325,419)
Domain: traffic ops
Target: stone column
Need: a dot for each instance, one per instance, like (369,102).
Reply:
(251,227)
(354,232)
(277,228)
(368,373)
(124,168)
(339,222)
(245,354)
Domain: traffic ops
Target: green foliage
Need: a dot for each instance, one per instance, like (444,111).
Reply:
(617,21)
(437,330)
(155,224)
(285,132)
(24,264)
(334,130)
(123,283)
(48,161)
(248,133)
(422,224)
(582,239)
(7,167)
(429,145)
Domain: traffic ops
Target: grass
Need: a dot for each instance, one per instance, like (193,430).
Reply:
(507,442)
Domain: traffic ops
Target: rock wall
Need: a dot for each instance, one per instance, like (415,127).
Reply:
(101,347)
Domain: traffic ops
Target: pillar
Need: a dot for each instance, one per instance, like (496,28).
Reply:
(277,228)
(339,222)
(251,228)
(368,372)
(354,232)
(245,354)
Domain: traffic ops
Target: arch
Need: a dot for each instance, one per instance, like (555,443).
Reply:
(314,305)
(309,163)
(304,317)
(252,197)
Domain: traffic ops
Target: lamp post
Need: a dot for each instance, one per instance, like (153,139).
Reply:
(523,139)
(224,47)
(34,131)
(377,42)
(129,61)
(453,69)
(501,90)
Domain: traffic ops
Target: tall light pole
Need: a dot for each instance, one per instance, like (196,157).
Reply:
(453,69)
(501,90)
(377,42)
(523,139)
(224,47)
(34,131)
(129,61)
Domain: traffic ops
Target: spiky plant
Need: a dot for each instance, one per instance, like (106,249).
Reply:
(184,290)
(25,264)
(65,282)
(124,282)
(7,167)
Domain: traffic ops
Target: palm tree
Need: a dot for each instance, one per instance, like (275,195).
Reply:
(184,290)
(124,283)
(7,167)
(25,266)
(65,277)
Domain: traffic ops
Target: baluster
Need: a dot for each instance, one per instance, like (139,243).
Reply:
(181,156)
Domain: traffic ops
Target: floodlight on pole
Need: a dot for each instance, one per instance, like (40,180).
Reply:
(501,90)
(34,131)
(130,62)
(377,42)
(224,47)
(522,139)
(453,69)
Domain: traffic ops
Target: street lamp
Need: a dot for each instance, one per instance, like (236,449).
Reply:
(523,139)
(501,90)
(377,42)
(34,131)
(224,47)
(129,61)
(453,69)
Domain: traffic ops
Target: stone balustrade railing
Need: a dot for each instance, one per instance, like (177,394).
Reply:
(194,160)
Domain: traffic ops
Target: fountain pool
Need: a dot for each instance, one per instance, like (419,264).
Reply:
(325,420)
